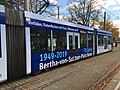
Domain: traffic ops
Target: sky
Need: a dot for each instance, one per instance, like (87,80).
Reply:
(112,8)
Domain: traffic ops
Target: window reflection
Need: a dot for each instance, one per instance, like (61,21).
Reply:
(0,45)
(40,40)
(100,40)
(90,40)
(59,40)
(83,40)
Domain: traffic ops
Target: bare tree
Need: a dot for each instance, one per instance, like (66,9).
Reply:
(14,4)
(53,9)
(83,11)
(38,6)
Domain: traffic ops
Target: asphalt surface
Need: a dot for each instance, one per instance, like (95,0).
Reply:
(80,75)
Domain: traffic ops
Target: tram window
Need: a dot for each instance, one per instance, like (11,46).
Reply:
(40,40)
(76,42)
(59,40)
(83,40)
(0,46)
(90,40)
(109,40)
(100,40)
(70,42)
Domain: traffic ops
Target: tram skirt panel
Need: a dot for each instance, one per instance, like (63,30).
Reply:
(16,63)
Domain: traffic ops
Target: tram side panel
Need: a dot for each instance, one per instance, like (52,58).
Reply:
(28,50)
(47,47)
(107,43)
(86,43)
(3,55)
(52,43)
(104,40)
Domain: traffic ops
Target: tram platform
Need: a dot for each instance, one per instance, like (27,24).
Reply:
(114,84)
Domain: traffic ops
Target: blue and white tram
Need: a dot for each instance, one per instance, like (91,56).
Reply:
(48,42)
(54,42)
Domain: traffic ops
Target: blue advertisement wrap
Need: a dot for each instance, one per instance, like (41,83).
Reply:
(2,18)
(103,33)
(90,32)
(44,25)
(46,60)
(85,52)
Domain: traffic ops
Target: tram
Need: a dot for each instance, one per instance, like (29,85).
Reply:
(43,42)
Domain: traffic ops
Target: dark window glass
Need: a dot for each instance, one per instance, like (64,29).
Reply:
(70,42)
(0,45)
(100,40)
(105,42)
(76,42)
(90,40)
(40,40)
(83,40)
(109,40)
(59,40)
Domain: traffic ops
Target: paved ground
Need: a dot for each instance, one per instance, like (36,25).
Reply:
(75,76)
(114,84)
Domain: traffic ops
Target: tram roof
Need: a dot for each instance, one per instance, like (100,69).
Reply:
(104,31)
(53,20)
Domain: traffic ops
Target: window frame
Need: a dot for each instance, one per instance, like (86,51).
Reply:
(90,45)
(57,36)
(51,40)
(38,47)
(100,38)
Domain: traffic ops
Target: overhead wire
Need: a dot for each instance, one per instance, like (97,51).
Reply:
(107,9)
(117,3)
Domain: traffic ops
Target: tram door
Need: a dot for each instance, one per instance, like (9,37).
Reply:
(73,43)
